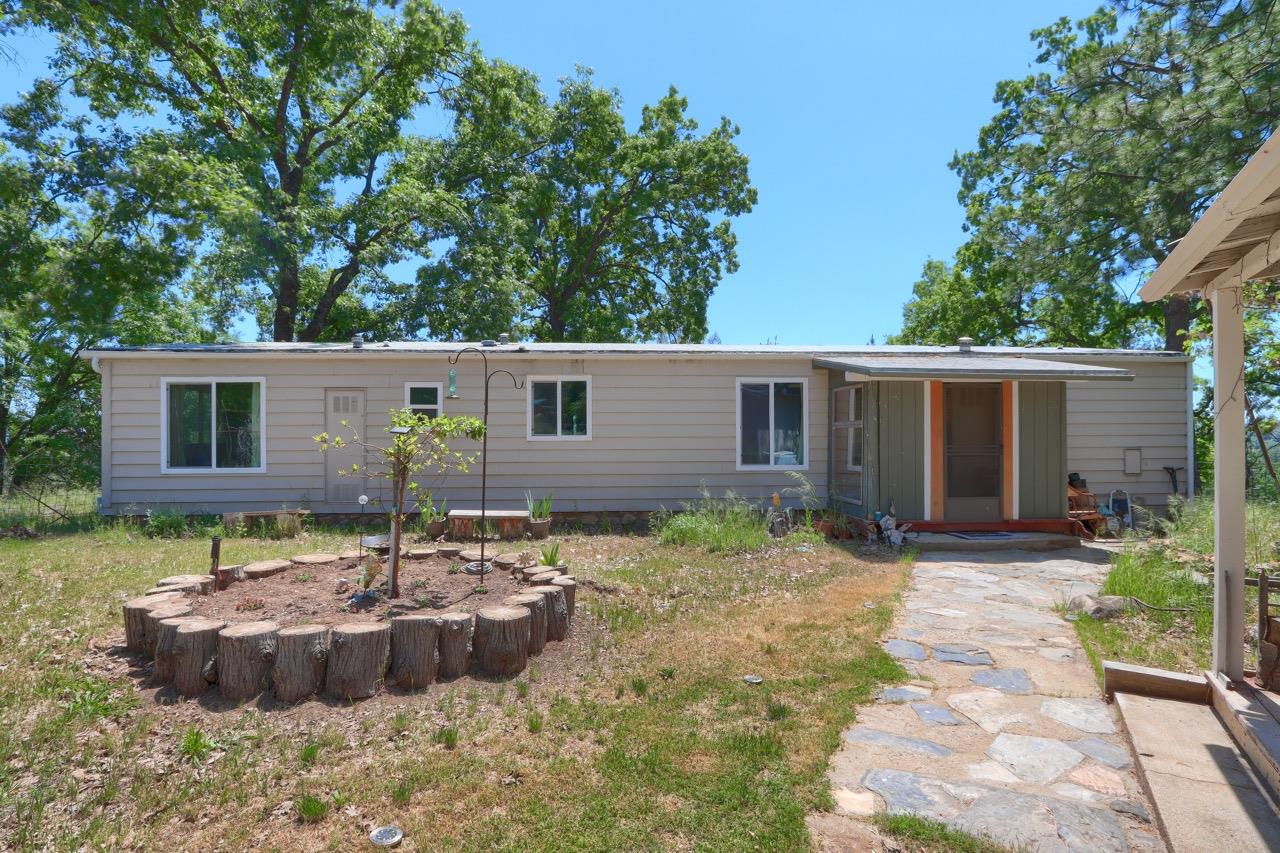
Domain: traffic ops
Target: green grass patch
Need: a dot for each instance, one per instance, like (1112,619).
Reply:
(716,524)
(930,835)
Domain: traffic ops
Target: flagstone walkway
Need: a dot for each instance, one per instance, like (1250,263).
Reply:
(1001,730)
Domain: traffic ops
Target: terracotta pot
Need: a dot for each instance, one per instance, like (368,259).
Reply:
(540,529)
(434,529)
(823,527)
(847,533)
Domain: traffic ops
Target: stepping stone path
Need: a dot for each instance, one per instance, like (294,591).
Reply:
(1003,732)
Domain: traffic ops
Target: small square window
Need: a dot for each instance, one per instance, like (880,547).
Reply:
(423,397)
(559,407)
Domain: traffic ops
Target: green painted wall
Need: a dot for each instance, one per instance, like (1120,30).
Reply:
(1042,450)
(898,448)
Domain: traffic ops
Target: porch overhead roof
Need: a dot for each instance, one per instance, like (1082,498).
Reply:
(970,365)
(1236,240)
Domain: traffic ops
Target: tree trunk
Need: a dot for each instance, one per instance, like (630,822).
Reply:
(166,650)
(288,285)
(455,644)
(1177,321)
(502,640)
(414,657)
(557,610)
(246,652)
(357,659)
(1261,437)
(204,583)
(135,611)
(301,653)
(537,607)
(151,623)
(195,648)
(570,587)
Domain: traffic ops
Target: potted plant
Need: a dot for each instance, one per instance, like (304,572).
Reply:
(539,515)
(824,523)
(840,527)
(434,518)
(550,557)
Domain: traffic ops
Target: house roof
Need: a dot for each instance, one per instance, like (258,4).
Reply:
(970,365)
(1237,239)
(409,348)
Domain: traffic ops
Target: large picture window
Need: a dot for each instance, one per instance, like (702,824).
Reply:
(559,407)
(212,425)
(773,424)
(423,397)
(848,433)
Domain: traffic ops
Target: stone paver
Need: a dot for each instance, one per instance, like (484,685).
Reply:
(1013,740)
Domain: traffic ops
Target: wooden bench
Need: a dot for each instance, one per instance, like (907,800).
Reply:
(288,521)
(511,522)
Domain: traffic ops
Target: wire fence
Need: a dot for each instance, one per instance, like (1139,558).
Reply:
(35,506)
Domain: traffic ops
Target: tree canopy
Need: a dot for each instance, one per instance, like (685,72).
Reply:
(1093,165)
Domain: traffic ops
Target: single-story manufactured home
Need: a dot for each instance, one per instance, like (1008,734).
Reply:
(961,434)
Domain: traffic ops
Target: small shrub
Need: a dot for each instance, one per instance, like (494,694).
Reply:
(196,746)
(455,568)
(535,722)
(639,686)
(165,524)
(303,577)
(667,672)
(716,524)
(310,808)
(447,737)
(309,753)
(481,590)
(550,554)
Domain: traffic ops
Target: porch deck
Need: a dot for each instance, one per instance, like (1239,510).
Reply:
(1030,541)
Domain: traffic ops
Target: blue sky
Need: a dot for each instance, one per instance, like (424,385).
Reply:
(849,112)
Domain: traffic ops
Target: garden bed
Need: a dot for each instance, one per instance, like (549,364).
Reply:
(306,625)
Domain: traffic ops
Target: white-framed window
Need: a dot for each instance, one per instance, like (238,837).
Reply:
(848,429)
(213,424)
(424,398)
(559,408)
(773,424)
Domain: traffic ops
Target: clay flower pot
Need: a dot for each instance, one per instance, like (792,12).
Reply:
(540,528)
(434,529)
(823,527)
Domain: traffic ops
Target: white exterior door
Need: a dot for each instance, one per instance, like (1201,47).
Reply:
(344,417)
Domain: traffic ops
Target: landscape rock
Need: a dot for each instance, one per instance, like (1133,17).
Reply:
(1005,680)
(865,734)
(905,650)
(1112,755)
(1087,715)
(1034,759)
(962,653)
(902,694)
(1102,606)
(935,715)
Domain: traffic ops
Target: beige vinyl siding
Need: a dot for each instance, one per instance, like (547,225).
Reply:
(661,429)
(1149,413)
(1042,453)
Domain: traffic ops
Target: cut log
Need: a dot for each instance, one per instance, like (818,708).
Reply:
(301,653)
(570,587)
(180,588)
(537,607)
(449,550)
(264,569)
(246,653)
(557,610)
(471,555)
(455,644)
(195,646)
(151,622)
(134,612)
(166,633)
(507,561)
(415,656)
(502,640)
(420,553)
(205,582)
(544,576)
(357,659)
(315,559)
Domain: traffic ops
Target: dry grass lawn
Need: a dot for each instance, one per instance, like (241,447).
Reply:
(653,743)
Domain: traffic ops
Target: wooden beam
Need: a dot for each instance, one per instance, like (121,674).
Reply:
(1229,482)
(937,453)
(1249,267)
(1243,710)
(1145,681)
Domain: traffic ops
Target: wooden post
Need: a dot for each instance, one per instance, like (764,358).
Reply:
(502,640)
(166,657)
(537,607)
(455,644)
(414,656)
(195,648)
(570,587)
(135,611)
(357,659)
(246,653)
(151,623)
(301,654)
(557,610)
(1228,481)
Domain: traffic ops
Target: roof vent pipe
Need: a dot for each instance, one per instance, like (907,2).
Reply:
(488,342)
(357,342)
(965,344)
(504,338)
